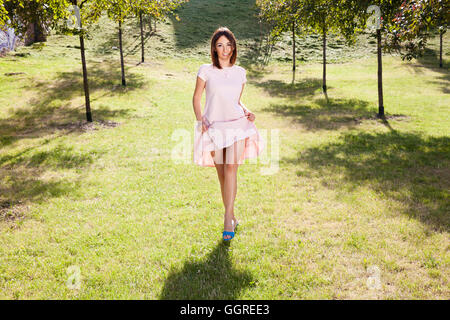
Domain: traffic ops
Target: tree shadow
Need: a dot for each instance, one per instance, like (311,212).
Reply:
(258,52)
(51,110)
(323,115)
(30,173)
(130,47)
(443,81)
(302,88)
(101,76)
(58,157)
(27,176)
(135,47)
(405,167)
(213,278)
(430,60)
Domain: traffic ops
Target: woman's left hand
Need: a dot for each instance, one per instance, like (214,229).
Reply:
(250,116)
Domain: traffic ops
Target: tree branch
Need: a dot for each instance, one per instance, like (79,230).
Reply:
(81,4)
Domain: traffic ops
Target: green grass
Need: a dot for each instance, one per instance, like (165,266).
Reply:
(351,192)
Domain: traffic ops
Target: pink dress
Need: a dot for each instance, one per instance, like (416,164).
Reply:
(224,116)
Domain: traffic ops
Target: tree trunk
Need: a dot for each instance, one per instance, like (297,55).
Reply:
(142,37)
(260,35)
(121,55)
(380,77)
(38,32)
(440,47)
(38,25)
(85,80)
(293,51)
(324,84)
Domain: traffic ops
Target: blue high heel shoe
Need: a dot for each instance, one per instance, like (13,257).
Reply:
(227,233)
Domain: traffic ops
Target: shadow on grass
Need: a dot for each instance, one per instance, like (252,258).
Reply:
(302,88)
(405,167)
(131,47)
(30,176)
(320,115)
(59,157)
(51,109)
(136,46)
(212,278)
(31,173)
(430,60)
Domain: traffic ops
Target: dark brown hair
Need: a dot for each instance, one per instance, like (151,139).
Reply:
(222,31)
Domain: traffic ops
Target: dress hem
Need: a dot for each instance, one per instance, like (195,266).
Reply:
(254,145)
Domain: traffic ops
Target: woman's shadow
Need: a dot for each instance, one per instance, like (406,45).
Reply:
(212,278)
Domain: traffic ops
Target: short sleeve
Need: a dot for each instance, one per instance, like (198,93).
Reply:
(244,76)
(202,72)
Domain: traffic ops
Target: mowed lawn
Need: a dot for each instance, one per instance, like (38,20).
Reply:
(340,206)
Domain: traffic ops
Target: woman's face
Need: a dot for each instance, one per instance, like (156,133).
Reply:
(224,48)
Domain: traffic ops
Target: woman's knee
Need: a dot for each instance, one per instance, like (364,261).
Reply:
(230,168)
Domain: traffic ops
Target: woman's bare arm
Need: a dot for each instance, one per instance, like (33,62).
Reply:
(240,102)
(197,98)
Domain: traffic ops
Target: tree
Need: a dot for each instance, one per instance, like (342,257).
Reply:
(88,12)
(320,18)
(117,10)
(312,16)
(384,13)
(415,23)
(282,16)
(341,17)
(40,14)
(55,12)
(156,9)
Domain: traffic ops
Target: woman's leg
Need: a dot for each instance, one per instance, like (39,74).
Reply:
(220,169)
(218,157)
(233,154)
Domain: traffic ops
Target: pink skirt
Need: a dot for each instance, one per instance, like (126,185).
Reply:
(222,134)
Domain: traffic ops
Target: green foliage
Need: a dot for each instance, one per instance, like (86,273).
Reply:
(117,10)
(3,14)
(279,15)
(157,10)
(415,23)
(90,11)
(314,17)
(23,12)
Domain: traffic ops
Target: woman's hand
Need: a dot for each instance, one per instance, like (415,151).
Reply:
(250,116)
(203,125)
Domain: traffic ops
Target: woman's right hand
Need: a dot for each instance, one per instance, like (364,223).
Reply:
(202,123)
(204,128)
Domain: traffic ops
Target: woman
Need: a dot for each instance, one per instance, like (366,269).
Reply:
(225,134)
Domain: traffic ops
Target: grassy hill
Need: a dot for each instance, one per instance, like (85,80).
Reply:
(190,38)
(198,19)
